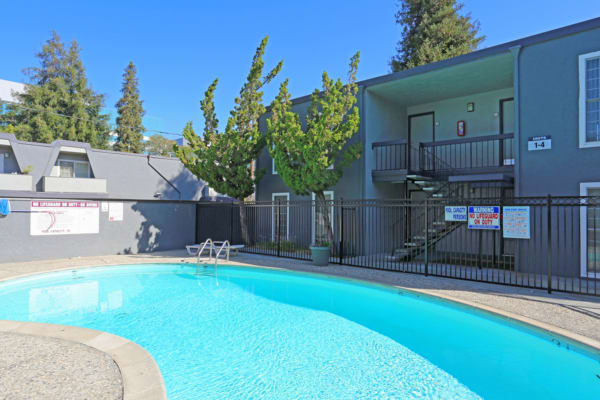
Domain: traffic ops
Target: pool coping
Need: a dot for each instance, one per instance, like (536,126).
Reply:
(140,375)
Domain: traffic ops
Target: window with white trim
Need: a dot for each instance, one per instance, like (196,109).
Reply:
(281,209)
(589,99)
(590,232)
(73,169)
(319,229)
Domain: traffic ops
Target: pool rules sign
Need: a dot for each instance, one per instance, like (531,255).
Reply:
(64,217)
(484,217)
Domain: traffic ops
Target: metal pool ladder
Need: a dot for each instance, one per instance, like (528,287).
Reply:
(225,246)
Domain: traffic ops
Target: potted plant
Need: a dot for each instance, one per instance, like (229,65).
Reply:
(320,253)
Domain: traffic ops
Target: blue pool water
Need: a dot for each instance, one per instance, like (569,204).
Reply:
(264,334)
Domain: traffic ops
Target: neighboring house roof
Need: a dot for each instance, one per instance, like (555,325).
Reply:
(127,175)
(478,54)
(8,88)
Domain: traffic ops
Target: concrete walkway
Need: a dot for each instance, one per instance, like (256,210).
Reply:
(574,316)
(34,367)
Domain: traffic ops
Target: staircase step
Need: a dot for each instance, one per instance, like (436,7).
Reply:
(418,237)
(437,195)
(413,244)
(439,223)
(430,188)
(418,177)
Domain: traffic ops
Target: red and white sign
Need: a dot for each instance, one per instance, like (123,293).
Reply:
(484,217)
(64,217)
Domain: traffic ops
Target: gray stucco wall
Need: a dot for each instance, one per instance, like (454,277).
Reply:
(549,92)
(348,187)
(384,120)
(480,122)
(146,227)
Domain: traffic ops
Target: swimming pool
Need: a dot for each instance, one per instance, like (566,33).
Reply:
(269,334)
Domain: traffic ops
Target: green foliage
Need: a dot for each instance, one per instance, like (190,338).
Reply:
(130,131)
(303,156)
(224,159)
(433,30)
(160,146)
(58,103)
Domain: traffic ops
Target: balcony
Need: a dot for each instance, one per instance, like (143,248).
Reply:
(481,155)
(16,182)
(73,185)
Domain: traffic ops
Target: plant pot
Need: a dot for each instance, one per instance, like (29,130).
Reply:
(320,255)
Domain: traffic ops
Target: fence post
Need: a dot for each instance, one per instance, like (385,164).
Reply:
(549,245)
(341,230)
(231,223)
(278,228)
(426,238)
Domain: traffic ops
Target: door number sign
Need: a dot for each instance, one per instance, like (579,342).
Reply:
(539,143)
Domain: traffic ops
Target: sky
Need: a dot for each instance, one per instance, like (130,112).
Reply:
(180,47)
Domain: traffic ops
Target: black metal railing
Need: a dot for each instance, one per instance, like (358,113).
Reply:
(558,248)
(484,153)
(481,153)
(395,155)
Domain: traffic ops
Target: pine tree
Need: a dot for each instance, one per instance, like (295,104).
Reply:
(433,30)
(224,159)
(304,156)
(130,131)
(58,103)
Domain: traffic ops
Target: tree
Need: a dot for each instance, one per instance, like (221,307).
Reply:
(224,159)
(159,145)
(58,103)
(304,156)
(130,131)
(433,30)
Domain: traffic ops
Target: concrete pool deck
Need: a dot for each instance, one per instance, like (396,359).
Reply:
(574,316)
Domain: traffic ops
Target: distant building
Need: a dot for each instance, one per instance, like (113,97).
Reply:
(182,142)
(8,91)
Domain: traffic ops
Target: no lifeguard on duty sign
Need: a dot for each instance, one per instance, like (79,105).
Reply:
(484,217)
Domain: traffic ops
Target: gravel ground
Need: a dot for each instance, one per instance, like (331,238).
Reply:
(33,367)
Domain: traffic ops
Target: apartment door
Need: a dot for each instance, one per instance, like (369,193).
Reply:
(1,163)
(421,129)
(507,125)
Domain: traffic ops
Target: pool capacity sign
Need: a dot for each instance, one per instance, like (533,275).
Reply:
(484,217)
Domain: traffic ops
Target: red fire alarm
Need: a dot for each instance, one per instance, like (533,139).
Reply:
(461,128)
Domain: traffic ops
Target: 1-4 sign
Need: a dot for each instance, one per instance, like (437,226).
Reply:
(539,143)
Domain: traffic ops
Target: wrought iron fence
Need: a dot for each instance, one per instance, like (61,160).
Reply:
(550,243)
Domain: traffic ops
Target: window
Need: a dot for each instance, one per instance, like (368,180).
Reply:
(590,232)
(73,169)
(589,100)
(281,207)
(319,229)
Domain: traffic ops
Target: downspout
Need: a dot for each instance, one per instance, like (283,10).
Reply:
(516,50)
(162,176)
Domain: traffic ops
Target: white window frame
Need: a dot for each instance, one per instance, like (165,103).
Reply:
(313,215)
(583,191)
(287,222)
(582,100)
(89,174)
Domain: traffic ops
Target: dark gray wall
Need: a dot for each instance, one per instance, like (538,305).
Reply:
(146,226)
(549,90)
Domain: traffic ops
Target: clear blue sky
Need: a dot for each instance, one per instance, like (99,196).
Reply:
(180,47)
